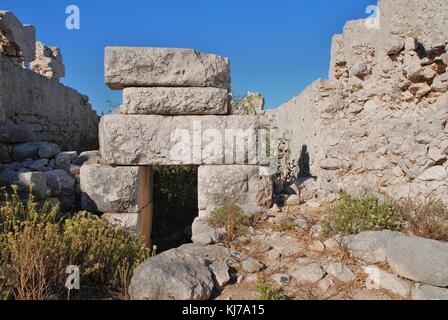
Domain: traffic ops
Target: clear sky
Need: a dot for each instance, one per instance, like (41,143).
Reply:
(275,47)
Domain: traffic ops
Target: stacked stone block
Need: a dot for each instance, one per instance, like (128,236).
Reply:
(176,112)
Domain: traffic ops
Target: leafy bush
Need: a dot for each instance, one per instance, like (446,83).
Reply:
(233,220)
(36,247)
(427,219)
(268,291)
(352,215)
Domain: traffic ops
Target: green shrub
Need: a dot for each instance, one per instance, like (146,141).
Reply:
(233,220)
(268,291)
(36,247)
(352,215)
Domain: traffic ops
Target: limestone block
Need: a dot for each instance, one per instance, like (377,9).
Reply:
(419,259)
(181,140)
(241,185)
(109,189)
(48,62)
(175,101)
(173,274)
(164,67)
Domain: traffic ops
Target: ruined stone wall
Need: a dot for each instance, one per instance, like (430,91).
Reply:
(54,112)
(33,100)
(379,122)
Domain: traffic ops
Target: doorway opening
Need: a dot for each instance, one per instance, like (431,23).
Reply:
(175,202)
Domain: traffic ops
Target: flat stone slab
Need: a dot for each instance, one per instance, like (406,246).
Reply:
(238,184)
(109,189)
(419,259)
(164,67)
(181,140)
(175,101)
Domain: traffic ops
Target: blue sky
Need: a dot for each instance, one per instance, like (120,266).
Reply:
(275,47)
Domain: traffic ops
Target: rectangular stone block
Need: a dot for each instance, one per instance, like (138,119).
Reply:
(181,140)
(164,67)
(239,184)
(109,189)
(175,101)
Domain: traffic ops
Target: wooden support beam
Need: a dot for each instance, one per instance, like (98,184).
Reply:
(145,204)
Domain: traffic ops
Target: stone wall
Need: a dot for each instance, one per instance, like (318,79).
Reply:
(379,122)
(34,100)
(54,112)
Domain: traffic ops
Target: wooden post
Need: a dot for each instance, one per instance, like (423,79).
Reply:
(145,204)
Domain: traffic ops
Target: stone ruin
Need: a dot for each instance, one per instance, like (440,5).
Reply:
(379,123)
(41,120)
(175,112)
(34,105)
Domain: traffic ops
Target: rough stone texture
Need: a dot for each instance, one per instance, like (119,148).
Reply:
(252,265)
(48,62)
(241,185)
(164,67)
(37,165)
(281,278)
(220,271)
(383,109)
(11,133)
(419,259)
(425,292)
(109,189)
(26,151)
(53,112)
(35,181)
(172,275)
(175,101)
(59,180)
(340,272)
(48,150)
(380,279)
(87,157)
(310,273)
(424,20)
(204,234)
(369,246)
(17,41)
(211,254)
(152,139)
(127,221)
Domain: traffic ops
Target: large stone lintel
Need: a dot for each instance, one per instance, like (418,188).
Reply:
(175,101)
(181,140)
(164,67)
